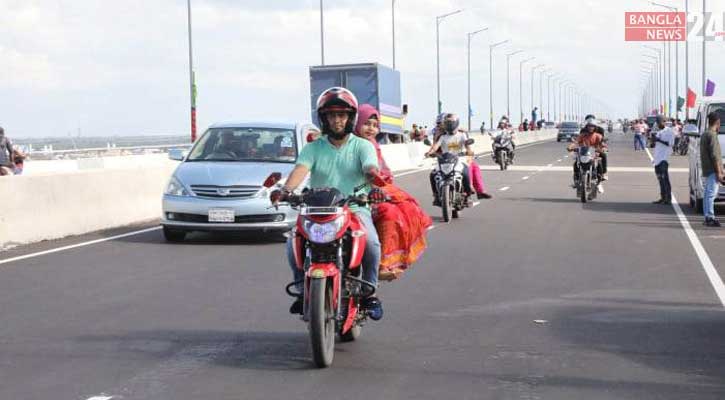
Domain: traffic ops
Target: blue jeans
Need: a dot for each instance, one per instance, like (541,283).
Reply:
(638,142)
(371,257)
(712,187)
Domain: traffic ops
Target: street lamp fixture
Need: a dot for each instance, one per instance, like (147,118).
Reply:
(470,35)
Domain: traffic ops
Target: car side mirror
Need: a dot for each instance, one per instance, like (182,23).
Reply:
(177,154)
(470,142)
(690,130)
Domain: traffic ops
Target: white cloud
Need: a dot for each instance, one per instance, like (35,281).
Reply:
(121,67)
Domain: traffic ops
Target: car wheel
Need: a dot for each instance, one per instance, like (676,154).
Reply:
(173,235)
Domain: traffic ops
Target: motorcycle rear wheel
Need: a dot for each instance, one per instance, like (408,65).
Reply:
(322,323)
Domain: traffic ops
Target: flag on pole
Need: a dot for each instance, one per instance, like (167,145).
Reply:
(709,88)
(691,98)
(680,103)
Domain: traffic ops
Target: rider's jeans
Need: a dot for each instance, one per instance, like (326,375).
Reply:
(711,189)
(371,257)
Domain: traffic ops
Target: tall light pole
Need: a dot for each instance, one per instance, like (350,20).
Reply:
(322,32)
(663,91)
(541,90)
(521,91)
(677,62)
(490,77)
(656,71)
(192,78)
(704,51)
(548,96)
(393,11)
(438,55)
(532,84)
(470,35)
(508,81)
(687,64)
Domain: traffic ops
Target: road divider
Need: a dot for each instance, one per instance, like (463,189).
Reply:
(110,192)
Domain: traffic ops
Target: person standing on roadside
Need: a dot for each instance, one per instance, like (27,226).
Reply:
(7,157)
(712,169)
(640,128)
(664,141)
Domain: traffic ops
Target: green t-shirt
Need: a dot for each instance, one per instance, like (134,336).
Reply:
(342,168)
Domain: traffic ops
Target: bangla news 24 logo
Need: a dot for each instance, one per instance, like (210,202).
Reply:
(673,27)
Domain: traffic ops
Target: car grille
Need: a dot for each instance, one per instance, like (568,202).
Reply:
(239,219)
(225,192)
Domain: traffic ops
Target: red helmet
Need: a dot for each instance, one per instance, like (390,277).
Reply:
(337,99)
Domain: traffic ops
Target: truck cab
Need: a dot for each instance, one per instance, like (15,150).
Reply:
(695,180)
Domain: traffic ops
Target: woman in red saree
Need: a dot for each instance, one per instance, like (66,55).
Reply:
(401,222)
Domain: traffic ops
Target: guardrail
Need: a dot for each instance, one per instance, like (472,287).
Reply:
(116,191)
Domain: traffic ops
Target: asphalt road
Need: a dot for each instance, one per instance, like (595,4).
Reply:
(531,295)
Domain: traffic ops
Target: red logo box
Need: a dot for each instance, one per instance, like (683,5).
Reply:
(655,26)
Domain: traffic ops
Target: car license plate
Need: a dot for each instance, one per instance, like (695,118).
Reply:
(221,215)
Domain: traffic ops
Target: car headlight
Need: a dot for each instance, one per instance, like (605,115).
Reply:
(175,188)
(325,232)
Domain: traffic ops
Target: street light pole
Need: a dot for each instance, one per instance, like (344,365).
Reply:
(508,82)
(532,85)
(192,80)
(490,77)
(704,51)
(521,91)
(393,11)
(322,31)
(470,35)
(438,55)
(660,75)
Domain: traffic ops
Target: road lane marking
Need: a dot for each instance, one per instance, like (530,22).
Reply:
(525,178)
(559,160)
(82,244)
(476,203)
(101,397)
(705,261)
(549,165)
(505,188)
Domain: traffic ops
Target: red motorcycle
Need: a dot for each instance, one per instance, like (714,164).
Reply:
(328,244)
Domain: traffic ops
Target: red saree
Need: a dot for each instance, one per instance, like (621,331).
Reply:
(402,225)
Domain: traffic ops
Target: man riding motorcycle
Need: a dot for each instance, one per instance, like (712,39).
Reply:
(505,125)
(343,161)
(590,137)
(452,141)
(591,120)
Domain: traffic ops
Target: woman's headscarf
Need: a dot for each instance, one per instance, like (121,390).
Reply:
(364,113)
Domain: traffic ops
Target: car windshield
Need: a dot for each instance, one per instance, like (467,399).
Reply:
(246,144)
(570,125)
(720,110)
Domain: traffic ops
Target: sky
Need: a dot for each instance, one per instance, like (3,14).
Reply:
(99,68)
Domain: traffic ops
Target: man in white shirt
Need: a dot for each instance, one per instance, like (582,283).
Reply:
(664,140)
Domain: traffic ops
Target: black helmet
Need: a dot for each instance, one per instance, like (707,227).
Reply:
(451,123)
(337,99)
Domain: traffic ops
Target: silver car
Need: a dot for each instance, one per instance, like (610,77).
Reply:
(220,184)
(696,181)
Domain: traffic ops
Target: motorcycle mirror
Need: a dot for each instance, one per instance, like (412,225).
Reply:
(470,142)
(426,142)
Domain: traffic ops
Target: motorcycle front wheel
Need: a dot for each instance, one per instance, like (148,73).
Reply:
(446,202)
(502,160)
(322,322)
(584,183)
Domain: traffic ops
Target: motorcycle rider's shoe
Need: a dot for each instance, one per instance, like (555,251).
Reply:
(483,196)
(660,201)
(298,307)
(605,177)
(712,222)
(469,202)
(373,308)
(600,188)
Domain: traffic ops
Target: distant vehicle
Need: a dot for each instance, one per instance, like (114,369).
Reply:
(696,184)
(371,83)
(568,131)
(549,125)
(219,185)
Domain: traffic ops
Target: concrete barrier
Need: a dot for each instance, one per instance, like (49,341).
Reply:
(118,191)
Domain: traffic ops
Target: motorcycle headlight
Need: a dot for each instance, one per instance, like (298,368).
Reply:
(585,159)
(175,188)
(447,168)
(325,232)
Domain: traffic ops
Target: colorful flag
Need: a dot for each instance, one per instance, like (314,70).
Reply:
(710,88)
(680,103)
(691,98)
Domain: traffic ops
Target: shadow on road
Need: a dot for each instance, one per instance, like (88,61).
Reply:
(209,238)
(606,206)
(275,351)
(679,338)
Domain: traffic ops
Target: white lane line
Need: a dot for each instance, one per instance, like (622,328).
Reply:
(415,171)
(549,165)
(525,178)
(559,160)
(705,261)
(41,253)
(505,188)
(430,228)
(476,203)
(101,397)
